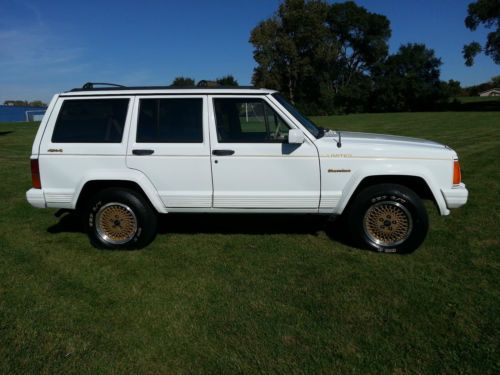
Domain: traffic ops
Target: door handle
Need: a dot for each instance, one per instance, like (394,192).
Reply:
(143,152)
(222,152)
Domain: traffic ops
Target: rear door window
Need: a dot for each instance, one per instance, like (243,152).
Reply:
(91,121)
(170,121)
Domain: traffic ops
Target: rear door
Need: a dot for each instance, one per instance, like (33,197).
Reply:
(253,164)
(169,143)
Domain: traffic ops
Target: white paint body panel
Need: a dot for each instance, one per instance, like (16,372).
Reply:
(265,175)
(313,177)
(180,172)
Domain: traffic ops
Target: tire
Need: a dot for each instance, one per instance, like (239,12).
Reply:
(388,218)
(119,219)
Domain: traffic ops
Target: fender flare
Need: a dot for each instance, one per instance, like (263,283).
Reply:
(129,175)
(396,170)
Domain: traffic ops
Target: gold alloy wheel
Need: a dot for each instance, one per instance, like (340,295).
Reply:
(116,223)
(387,223)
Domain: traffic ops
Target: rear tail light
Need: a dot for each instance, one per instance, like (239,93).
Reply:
(35,174)
(457,174)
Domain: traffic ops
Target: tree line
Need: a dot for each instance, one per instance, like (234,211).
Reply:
(227,80)
(25,103)
(334,58)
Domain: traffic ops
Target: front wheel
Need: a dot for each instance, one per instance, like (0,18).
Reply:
(388,218)
(120,219)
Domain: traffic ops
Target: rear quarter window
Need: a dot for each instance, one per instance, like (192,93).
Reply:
(91,121)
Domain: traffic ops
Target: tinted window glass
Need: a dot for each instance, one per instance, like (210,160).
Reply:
(170,121)
(91,120)
(248,120)
(308,124)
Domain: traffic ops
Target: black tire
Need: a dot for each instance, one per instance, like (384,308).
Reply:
(119,219)
(388,218)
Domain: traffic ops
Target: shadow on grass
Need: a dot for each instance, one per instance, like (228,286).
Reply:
(257,224)
(479,106)
(5,133)
(69,222)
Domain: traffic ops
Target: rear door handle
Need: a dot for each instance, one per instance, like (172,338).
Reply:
(143,152)
(222,152)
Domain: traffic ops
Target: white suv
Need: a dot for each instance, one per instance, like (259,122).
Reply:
(122,155)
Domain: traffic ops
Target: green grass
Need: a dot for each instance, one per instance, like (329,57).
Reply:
(239,294)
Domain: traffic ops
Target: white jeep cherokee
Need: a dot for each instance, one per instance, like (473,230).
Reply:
(122,155)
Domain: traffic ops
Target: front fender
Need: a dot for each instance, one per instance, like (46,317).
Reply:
(395,169)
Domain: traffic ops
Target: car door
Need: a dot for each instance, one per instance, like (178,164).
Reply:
(253,166)
(169,143)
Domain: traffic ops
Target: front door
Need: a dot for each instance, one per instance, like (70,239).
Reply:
(253,166)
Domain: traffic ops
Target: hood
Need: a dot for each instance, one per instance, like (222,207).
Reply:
(383,139)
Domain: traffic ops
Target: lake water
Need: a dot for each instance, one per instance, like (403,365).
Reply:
(18,114)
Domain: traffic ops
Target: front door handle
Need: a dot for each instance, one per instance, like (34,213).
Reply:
(143,152)
(222,152)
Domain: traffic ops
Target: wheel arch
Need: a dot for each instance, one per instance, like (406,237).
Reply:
(138,183)
(420,184)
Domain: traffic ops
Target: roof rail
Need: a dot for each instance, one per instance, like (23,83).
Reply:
(91,85)
(205,83)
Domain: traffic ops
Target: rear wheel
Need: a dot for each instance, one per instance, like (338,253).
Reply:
(388,218)
(120,219)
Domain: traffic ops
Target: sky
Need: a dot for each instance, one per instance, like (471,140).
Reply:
(52,46)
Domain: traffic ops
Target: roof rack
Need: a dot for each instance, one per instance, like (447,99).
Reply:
(91,85)
(202,85)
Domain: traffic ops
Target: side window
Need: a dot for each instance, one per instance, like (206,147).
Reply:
(248,120)
(91,121)
(170,121)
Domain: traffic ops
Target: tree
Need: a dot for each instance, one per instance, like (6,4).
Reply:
(318,53)
(285,47)
(228,80)
(183,82)
(407,80)
(494,82)
(487,13)
(24,103)
(451,89)
(37,103)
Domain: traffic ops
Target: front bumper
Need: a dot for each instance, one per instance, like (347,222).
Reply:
(36,198)
(456,196)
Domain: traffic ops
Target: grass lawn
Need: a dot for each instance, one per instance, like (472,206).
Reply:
(257,294)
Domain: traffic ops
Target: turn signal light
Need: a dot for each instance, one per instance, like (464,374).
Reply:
(35,174)
(457,174)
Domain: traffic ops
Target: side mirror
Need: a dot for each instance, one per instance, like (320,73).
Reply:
(295,136)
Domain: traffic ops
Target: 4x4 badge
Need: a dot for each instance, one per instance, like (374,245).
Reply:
(55,150)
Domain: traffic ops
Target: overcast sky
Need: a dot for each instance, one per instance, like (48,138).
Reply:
(52,46)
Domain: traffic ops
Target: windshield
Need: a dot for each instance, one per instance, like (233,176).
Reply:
(308,124)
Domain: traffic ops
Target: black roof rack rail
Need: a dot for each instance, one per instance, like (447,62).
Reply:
(208,84)
(204,85)
(90,85)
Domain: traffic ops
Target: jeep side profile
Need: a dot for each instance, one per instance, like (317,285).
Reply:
(120,156)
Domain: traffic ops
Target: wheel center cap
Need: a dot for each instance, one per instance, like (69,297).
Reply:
(117,223)
(387,223)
